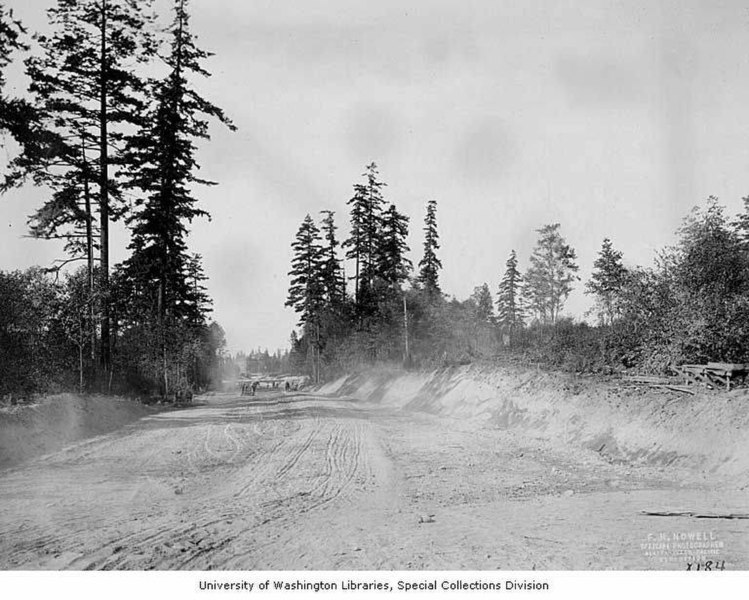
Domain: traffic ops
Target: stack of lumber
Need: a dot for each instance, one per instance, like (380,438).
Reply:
(653,381)
(714,374)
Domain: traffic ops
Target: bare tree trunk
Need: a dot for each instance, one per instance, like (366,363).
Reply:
(405,331)
(356,281)
(162,342)
(106,357)
(317,345)
(89,261)
(80,354)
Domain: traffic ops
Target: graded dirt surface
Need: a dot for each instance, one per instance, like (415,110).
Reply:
(48,425)
(314,481)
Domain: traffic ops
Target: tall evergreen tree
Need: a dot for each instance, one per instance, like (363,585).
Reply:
(549,279)
(162,155)
(429,265)
(355,241)
(41,146)
(366,211)
(14,112)
(307,291)
(198,295)
(510,315)
(607,280)
(332,271)
(11,32)
(393,267)
(88,95)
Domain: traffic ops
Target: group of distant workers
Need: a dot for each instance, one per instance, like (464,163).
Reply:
(249,388)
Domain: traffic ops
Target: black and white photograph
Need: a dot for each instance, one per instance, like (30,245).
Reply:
(373,287)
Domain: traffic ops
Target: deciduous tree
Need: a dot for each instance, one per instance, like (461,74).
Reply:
(482,300)
(549,279)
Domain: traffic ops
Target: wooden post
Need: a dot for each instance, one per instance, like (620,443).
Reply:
(317,347)
(405,329)
(90,264)
(80,354)
(103,119)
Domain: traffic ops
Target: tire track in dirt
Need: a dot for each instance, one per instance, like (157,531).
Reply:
(21,552)
(263,468)
(343,463)
(80,525)
(69,528)
(277,514)
(197,539)
(323,481)
(290,456)
(345,473)
(217,521)
(163,546)
(160,534)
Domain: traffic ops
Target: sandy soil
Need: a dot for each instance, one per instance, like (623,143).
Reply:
(52,423)
(320,482)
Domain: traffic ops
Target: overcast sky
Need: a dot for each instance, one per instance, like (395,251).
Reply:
(612,118)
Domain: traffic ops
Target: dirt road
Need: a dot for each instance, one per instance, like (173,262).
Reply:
(312,482)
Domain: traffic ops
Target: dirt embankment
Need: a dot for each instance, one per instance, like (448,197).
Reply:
(49,425)
(708,431)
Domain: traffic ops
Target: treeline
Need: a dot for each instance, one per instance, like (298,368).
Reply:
(44,343)
(692,305)
(108,132)
(262,361)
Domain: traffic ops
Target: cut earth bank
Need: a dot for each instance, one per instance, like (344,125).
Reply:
(705,433)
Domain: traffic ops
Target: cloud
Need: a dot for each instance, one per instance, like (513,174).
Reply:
(484,150)
(372,131)
(599,81)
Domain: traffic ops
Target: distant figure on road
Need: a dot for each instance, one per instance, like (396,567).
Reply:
(254,388)
(287,386)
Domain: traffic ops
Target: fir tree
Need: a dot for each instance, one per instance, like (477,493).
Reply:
(549,279)
(393,267)
(19,117)
(198,302)
(510,315)
(307,291)
(332,272)
(366,208)
(607,281)
(429,265)
(11,32)
(162,155)
(14,112)
(88,95)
